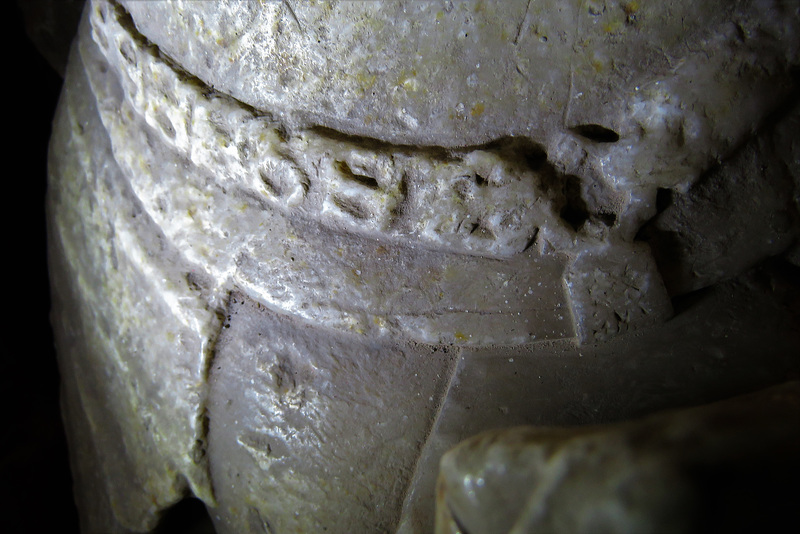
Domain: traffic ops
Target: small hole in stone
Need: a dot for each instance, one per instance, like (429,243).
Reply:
(166,125)
(596,133)
(606,217)
(348,173)
(663,199)
(575,211)
(189,515)
(272,185)
(535,158)
(127,52)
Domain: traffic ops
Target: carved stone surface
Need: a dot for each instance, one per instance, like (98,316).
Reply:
(720,466)
(335,421)
(279,252)
(735,216)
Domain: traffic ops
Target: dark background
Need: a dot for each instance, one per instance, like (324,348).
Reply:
(34,466)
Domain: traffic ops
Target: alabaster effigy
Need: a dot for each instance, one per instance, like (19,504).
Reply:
(300,250)
(669,472)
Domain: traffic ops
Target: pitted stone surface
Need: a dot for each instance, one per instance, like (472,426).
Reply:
(442,200)
(613,293)
(319,430)
(739,213)
(132,336)
(462,73)
(434,177)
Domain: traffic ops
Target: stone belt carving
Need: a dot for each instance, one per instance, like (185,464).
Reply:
(272,258)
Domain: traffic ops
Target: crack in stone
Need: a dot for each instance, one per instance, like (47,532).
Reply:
(251,149)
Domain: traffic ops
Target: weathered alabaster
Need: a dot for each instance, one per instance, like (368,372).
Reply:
(300,250)
(686,471)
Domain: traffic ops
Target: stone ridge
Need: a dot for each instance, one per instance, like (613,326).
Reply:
(679,84)
(227,174)
(133,337)
(303,259)
(487,200)
(325,423)
(347,268)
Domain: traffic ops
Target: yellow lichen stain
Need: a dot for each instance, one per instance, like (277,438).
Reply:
(408,81)
(630,8)
(440,15)
(460,336)
(170,337)
(451,273)
(365,80)
(477,109)
(411,84)
(612,27)
(597,65)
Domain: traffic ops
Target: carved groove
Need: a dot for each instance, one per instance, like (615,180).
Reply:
(596,133)
(347,172)
(351,206)
(507,184)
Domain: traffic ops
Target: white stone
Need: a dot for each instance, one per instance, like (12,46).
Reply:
(386,192)
(680,471)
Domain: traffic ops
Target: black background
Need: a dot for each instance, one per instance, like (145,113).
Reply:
(34,466)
